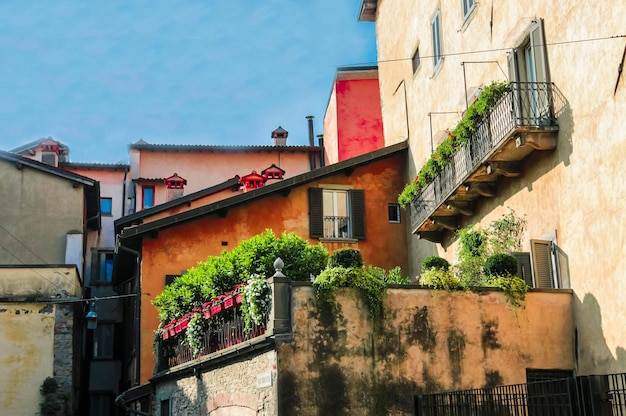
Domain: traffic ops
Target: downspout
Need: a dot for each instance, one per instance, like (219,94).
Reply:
(124,191)
(119,246)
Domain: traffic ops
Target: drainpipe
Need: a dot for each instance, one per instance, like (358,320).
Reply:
(137,254)
(124,192)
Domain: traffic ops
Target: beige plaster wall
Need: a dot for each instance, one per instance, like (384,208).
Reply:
(242,387)
(575,192)
(38,210)
(429,341)
(331,139)
(26,357)
(41,281)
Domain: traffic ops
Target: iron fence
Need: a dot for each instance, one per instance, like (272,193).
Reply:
(596,395)
(224,331)
(525,105)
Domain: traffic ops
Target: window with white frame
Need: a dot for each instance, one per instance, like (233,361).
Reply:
(435,27)
(468,6)
(337,213)
(394,213)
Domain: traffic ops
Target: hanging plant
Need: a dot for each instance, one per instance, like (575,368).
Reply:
(195,334)
(457,138)
(256,301)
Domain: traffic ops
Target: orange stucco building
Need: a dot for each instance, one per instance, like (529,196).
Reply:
(176,237)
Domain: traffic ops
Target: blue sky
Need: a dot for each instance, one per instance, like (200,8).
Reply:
(98,76)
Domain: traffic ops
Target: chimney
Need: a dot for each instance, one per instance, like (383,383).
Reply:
(320,138)
(280,136)
(175,186)
(310,121)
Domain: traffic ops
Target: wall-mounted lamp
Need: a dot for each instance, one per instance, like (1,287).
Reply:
(92,316)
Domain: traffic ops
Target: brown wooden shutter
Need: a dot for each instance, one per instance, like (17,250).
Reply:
(357,207)
(538,49)
(542,263)
(524,268)
(316,215)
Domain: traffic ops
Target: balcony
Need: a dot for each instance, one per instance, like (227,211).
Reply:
(522,121)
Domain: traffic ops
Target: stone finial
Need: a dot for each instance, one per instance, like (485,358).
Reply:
(278,266)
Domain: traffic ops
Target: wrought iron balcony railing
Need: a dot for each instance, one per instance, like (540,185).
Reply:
(336,227)
(226,331)
(523,115)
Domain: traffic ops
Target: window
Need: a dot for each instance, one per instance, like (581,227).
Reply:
(416,60)
(394,213)
(148,197)
(165,408)
(169,278)
(528,62)
(100,404)
(102,266)
(106,206)
(336,213)
(103,341)
(468,6)
(435,27)
(546,266)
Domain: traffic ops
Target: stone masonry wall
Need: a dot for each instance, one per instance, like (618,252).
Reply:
(244,386)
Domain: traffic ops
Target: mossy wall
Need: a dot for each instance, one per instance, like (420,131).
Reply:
(427,341)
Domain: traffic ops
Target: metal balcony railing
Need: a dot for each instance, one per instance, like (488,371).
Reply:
(527,105)
(336,227)
(225,332)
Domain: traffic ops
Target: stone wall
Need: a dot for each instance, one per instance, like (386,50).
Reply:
(241,386)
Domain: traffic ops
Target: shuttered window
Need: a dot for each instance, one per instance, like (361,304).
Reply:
(543,267)
(524,268)
(336,214)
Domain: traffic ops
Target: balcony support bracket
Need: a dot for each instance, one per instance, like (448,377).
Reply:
(449,223)
(538,141)
(508,169)
(464,207)
(432,236)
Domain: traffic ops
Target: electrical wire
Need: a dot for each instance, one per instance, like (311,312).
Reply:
(566,42)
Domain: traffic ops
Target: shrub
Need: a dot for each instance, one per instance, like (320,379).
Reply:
(514,288)
(346,257)
(435,262)
(368,281)
(500,265)
(220,274)
(441,279)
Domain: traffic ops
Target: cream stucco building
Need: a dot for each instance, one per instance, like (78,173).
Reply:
(561,166)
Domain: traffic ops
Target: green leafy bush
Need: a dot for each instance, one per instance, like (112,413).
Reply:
(500,265)
(346,257)
(514,288)
(435,262)
(256,300)
(457,138)
(441,279)
(220,274)
(368,280)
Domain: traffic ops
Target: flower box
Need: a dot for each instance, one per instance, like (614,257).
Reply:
(166,332)
(229,301)
(172,328)
(238,298)
(206,310)
(183,323)
(218,305)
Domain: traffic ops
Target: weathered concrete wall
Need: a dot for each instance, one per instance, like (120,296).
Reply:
(27,357)
(429,341)
(179,248)
(38,211)
(570,192)
(243,387)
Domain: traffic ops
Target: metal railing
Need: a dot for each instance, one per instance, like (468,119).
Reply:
(526,104)
(574,396)
(336,227)
(226,331)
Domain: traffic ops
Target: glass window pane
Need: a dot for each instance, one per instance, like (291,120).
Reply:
(148,196)
(106,206)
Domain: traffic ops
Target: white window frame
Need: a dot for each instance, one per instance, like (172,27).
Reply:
(435,32)
(337,231)
(468,8)
(397,210)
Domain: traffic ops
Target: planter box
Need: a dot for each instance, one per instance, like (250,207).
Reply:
(229,301)
(218,305)
(238,298)
(206,310)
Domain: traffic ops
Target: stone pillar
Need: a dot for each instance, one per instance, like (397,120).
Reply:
(279,321)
